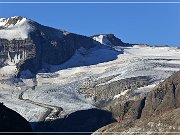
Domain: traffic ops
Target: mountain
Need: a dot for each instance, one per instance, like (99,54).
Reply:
(28,44)
(11,121)
(56,79)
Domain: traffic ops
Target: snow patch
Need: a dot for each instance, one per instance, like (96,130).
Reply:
(121,94)
(146,89)
(102,39)
(8,71)
(13,60)
(3,21)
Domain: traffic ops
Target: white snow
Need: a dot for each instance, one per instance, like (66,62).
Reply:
(19,31)
(102,39)
(65,96)
(146,61)
(121,94)
(145,89)
(9,96)
(16,59)
(3,21)
(8,71)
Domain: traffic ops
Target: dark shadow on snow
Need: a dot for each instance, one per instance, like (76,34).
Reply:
(88,57)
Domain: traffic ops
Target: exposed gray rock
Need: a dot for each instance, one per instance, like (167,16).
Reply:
(165,97)
(102,90)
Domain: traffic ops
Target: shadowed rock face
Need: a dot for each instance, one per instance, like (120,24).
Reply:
(11,121)
(114,40)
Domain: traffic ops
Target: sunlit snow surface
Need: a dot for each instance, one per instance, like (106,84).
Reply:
(60,87)
(102,39)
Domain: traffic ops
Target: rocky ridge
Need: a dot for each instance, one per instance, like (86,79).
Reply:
(156,111)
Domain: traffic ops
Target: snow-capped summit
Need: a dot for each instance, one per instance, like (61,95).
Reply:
(102,39)
(16,27)
(108,39)
(10,22)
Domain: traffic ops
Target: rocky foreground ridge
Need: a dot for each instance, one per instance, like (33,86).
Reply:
(156,111)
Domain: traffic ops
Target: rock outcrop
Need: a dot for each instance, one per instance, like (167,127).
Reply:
(156,111)
(165,97)
(104,89)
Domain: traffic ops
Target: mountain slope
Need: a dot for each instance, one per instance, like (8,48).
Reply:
(26,44)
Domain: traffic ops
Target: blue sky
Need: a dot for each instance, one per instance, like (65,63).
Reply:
(155,24)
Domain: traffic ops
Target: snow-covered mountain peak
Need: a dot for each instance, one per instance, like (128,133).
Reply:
(10,22)
(19,28)
(16,27)
(108,39)
(102,39)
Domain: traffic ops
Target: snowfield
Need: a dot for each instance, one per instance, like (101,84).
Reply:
(60,87)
